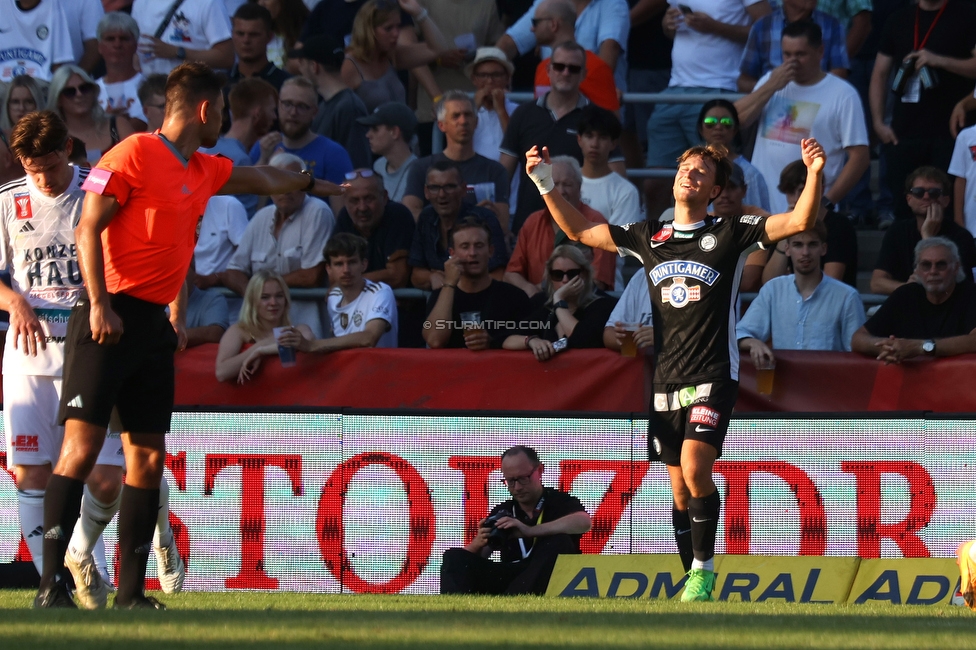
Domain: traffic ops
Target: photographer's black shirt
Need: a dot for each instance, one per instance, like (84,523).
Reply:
(556,505)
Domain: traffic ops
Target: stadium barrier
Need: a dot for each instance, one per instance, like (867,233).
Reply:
(368,501)
(748,578)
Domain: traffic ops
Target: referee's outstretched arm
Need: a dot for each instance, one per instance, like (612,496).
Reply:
(804,214)
(575,225)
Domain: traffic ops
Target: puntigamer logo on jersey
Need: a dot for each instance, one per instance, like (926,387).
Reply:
(679,293)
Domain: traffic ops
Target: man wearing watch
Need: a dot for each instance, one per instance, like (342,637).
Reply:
(934,317)
(198,30)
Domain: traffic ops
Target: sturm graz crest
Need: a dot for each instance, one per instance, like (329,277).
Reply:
(680,294)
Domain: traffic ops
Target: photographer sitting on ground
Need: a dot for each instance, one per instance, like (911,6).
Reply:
(531,530)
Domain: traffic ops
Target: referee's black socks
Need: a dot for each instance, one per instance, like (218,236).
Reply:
(704,524)
(137,520)
(62,507)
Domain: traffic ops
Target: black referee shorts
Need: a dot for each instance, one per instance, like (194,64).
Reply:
(135,375)
(681,412)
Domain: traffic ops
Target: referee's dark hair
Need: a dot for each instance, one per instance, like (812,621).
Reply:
(37,134)
(529,452)
(718,155)
(804,29)
(189,84)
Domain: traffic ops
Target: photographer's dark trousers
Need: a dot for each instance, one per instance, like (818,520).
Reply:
(463,572)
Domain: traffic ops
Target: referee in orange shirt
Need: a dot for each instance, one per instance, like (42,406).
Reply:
(135,241)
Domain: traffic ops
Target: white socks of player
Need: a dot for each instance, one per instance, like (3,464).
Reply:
(164,533)
(707,565)
(30,504)
(95,516)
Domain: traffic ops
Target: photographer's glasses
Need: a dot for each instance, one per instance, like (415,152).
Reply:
(920,192)
(521,480)
(711,122)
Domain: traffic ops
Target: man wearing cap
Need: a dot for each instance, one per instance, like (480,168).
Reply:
(491,74)
(390,129)
(319,60)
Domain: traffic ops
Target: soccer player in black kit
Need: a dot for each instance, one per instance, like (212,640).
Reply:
(693,265)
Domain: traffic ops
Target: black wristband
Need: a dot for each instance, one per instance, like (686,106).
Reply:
(311,180)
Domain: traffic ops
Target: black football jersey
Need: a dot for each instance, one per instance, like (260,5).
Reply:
(693,277)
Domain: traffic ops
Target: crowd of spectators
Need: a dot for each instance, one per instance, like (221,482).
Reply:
(406,102)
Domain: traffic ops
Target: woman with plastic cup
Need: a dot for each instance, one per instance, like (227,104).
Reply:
(569,312)
(264,314)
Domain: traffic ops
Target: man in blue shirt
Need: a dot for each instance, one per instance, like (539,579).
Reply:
(804,311)
(323,157)
(764,52)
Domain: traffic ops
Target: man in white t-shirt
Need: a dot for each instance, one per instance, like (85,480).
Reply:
(363,312)
(634,307)
(35,37)
(38,214)
(221,230)
(83,17)
(117,36)
(604,190)
(708,44)
(199,30)
(799,100)
(963,167)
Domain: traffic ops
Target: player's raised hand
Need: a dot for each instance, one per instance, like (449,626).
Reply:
(539,169)
(813,155)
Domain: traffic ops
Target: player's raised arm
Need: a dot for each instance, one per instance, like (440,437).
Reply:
(575,225)
(804,214)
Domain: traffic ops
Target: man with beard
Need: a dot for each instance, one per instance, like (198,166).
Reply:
(934,316)
(252,113)
(324,158)
(135,241)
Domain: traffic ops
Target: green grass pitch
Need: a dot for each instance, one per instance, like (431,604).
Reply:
(288,620)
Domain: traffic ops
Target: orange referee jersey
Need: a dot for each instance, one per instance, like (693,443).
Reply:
(149,243)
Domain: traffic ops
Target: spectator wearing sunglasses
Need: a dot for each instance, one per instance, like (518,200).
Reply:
(550,121)
(927,193)
(934,316)
(718,123)
(570,307)
(554,23)
(540,236)
(73,95)
(537,525)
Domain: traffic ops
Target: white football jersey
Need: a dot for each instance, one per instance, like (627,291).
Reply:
(37,244)
(31,41)
(375,301)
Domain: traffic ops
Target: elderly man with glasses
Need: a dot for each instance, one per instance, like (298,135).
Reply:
(530,530)
(934,316)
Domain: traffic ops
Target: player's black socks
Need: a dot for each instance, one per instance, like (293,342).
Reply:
(704,524)
(682,536)
(62,507)
(137,519)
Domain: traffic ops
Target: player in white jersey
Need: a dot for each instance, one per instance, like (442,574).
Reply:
(363,312)
(35,37)
(38,214)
